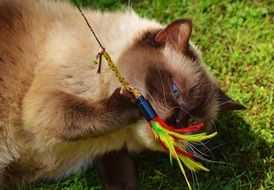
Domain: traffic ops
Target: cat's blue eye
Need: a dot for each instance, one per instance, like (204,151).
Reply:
(175,90)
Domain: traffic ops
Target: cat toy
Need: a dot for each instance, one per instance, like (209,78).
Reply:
(169,138)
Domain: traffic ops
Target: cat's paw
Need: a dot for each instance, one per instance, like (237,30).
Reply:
(120,97)
(123,104)
(127,95)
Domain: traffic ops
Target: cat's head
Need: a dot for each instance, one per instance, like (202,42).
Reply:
(169,71)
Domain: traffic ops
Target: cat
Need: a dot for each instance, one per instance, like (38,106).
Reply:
(58,115)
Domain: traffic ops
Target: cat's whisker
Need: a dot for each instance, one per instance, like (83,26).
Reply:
(139,86)
(162,84)
(204,144)
(184,111)
(194,179)
(229,101)
(215,119)
(160,107)
(211,121)
(198,143)
(217,146)
(194,148)
(142,89)
(203,158)
(187,112)
(197,181)
(146,92)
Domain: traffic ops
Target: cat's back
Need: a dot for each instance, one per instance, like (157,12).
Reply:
(23,29)
(24,25)
(17,51)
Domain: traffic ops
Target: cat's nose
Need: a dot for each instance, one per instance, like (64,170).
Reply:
(182,120)
(178,120)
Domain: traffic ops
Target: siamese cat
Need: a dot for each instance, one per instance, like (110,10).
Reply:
(58,115)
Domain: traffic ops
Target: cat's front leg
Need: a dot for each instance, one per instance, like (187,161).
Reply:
(117,170)
(68,116)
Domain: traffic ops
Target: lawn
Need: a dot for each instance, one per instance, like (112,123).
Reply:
(236,38)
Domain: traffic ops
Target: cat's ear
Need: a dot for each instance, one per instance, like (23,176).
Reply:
(226,103)
(176,34)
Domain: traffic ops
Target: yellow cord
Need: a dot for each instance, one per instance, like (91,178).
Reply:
(117,73)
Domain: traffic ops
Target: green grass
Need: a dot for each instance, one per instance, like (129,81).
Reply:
(236,38)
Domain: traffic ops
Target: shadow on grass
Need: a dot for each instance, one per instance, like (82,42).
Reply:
(246,160)
(245,163)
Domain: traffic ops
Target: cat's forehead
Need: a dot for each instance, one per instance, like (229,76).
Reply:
(181,65)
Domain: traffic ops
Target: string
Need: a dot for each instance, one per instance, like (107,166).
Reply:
(85,18)
(113,67)
(94,35)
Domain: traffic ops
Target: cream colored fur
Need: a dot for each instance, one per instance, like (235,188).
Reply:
(63,60)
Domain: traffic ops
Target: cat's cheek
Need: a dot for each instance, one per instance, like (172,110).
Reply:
(144,135)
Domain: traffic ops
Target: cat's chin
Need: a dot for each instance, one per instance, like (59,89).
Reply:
(144,135)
